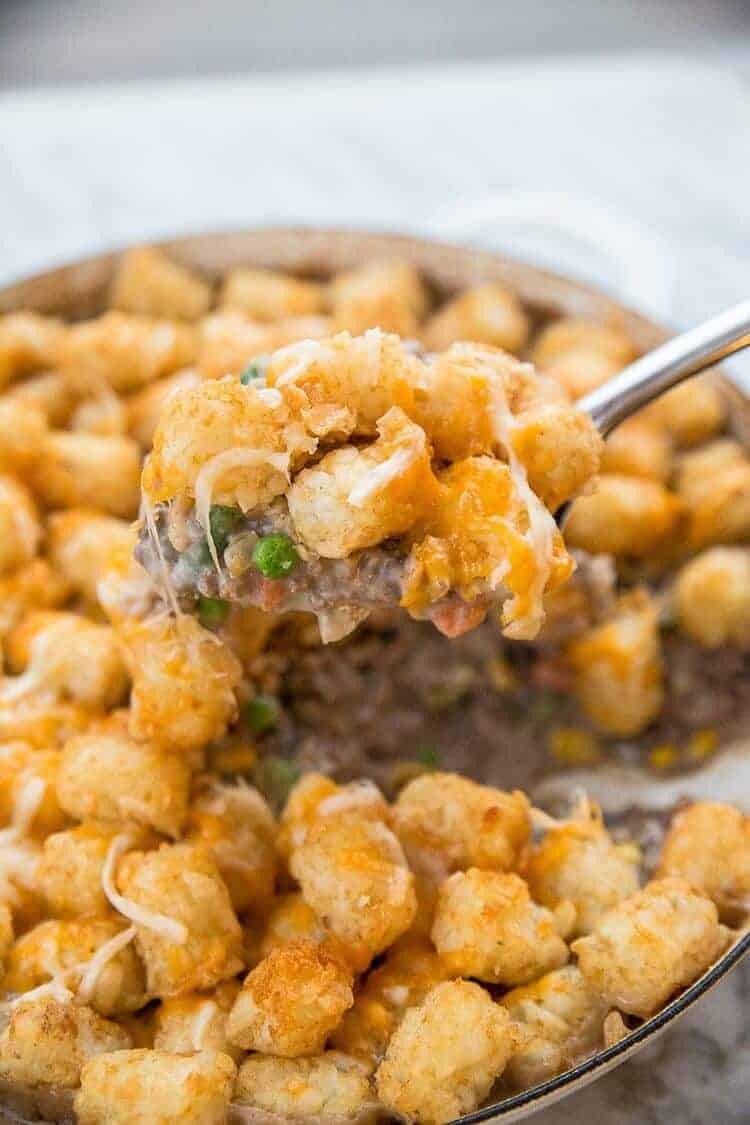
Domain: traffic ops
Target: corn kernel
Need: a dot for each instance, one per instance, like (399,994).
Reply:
(573,746)
(501,674)
(703,744)
(663,756)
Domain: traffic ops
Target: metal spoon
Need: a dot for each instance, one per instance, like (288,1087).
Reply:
(663,368)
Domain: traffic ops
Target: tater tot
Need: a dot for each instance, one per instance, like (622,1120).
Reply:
(200,943)
(67,656)
(81,544)
(650,945)
(28,342)
(618,668)
(692,413)
(316,797)
(147,282)
(183,683)
(80,470)
(227,342)
(387,295)
(639,448)
(403,980)
(474,399)
(196,1021)
(290,919)
(581,370)
(243,437)
(28,789)
(37,585)
(239,828)
(354,875)
(349,382)
(113,778)
(157,1087)
(578,862)
(714,484)
(712,597)
(64,950)
(103,414)
(268,296)
(291,1001)
(487,926)
(22,432)
(708,845)
(560,450)
(446,1054)
(574,334)
(143,409)
(49,392)
(48,1042)
(488,535)
(356,497)
(625,516)
(42,721)
(70,870)
(487,314)
(330,1085)
(468,824)
(124,352)
(561,1020)
(20,529)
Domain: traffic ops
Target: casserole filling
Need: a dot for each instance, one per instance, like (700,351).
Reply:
(349,474)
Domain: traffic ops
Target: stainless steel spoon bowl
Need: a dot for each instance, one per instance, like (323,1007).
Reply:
(660,370)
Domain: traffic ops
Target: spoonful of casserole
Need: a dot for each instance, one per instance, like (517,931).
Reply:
(347,474)
(344,475)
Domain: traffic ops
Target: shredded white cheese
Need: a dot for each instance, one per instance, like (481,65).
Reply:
(381,475)
(54,988)
(203,1018)
(168,928)
(359,794)
(102,957)
(303,354)
(148,513)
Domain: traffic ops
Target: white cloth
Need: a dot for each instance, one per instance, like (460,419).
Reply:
(631,171)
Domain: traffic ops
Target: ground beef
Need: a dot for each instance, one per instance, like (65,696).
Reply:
(397,694)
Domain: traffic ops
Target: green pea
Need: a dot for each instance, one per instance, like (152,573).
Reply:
(275,556)
(252,372)
(429,756)
(261,714)
(212,611)
(223,519)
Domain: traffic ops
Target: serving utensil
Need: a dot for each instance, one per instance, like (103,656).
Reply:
(659,370)
(663,368)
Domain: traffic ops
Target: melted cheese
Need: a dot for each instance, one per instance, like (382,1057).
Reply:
(148,513)
(168,928)
(542,526)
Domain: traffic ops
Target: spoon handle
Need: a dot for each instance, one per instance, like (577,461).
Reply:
(666,366)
